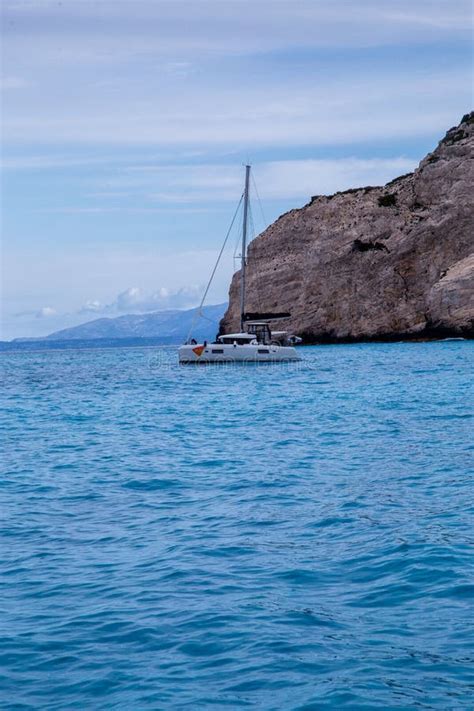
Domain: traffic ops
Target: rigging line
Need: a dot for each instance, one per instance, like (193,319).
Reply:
(199,310)
(257,259)
(238,241)
(257,275)
(211,320)
(252,224)
(259,202)
(252,230)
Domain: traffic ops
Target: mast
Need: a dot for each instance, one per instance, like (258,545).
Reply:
(244,247)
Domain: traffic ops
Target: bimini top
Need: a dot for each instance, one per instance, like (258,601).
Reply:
(237,336)
(259,317)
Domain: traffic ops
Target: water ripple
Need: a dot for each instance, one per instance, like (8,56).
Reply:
(270,538)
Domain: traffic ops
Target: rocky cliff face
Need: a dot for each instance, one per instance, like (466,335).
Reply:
(374,263)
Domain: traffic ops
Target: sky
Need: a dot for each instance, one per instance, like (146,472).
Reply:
(126,125)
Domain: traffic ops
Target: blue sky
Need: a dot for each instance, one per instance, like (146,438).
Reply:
(125,125)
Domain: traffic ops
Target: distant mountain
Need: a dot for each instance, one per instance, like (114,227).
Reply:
(167,326)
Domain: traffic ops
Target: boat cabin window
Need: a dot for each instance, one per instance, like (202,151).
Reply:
(230,340)
(261,331)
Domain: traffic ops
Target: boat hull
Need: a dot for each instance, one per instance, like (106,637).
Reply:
(229,353)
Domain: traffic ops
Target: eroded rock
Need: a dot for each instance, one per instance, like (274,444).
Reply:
(369,263)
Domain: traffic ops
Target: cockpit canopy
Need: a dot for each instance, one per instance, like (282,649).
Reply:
(240,338)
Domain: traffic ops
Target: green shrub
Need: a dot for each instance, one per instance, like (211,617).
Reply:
(388,200)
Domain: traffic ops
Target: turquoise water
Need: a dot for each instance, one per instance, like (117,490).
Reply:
(273,537)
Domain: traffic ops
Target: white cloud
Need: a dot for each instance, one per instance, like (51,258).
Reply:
(324,113)
(89,272)
(104,210)
(29,323)
(132,300)
(12,83)
(134,72)
(47,162)
(45,312)
(178,69)
(276,180)
(91,306)
(298,178)
(135,299)
(190,188)
(110,30)
(441,15)
(320,114)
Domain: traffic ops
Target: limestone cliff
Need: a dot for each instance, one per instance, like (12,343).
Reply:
(375,262)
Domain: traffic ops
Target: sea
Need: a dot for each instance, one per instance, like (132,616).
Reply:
(269,537)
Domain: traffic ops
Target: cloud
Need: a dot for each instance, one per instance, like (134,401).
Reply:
(136,299)
(240,73)
(131,29)
(276,180)
(90,271)
(192,189)
(46,312)
(180,68)
(187,188)
(131,300)
(298,178)
(333,111)
(91,306)
(43,312)
(104,210)
(12,83)
(47,162)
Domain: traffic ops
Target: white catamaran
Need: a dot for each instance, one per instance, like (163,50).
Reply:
(255,342)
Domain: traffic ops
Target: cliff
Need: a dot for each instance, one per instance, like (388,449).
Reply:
(376,262)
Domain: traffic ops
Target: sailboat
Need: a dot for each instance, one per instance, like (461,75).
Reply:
(255,342)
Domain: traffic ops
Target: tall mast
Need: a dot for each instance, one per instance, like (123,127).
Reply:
(244,247)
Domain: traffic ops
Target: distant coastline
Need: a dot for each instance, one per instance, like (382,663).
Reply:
(83,344)
(157,328)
